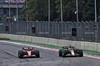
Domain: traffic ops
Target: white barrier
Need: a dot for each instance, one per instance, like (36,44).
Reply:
(93,46)
(98,47)
(41,40)
(62,43)
(14,37)
(34,39)
(3,35)
(52,41)
(28,38)
(21,37)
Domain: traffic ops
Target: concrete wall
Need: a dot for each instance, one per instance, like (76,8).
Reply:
(93,46)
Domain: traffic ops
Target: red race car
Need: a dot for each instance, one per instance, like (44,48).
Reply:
(28,52)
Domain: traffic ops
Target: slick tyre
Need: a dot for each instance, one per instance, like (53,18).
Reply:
(80,53)
(60,53)
(37,54)
(20,54)
(63,53)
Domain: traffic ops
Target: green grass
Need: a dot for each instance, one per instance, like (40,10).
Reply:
(4,39)
(92,53)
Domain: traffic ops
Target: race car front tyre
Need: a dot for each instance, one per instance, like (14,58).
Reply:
(75,50)
(60,53)
(37,54)
(80,53)
(20,54)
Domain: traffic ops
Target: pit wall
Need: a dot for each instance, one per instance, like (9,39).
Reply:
(92,46)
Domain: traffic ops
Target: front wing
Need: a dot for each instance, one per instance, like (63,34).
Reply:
(29,56)
(72,55)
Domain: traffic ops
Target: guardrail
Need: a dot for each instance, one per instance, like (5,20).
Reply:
(92,46)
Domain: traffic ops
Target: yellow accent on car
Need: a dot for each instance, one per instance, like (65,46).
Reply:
(72,52)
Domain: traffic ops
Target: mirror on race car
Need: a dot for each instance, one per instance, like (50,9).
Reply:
(30,48)
(24,48)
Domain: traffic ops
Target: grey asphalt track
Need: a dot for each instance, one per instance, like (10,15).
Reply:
(9,57)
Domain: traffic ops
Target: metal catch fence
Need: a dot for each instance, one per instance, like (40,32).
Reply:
(83,31)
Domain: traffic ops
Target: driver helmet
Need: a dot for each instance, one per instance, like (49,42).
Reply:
(70,46)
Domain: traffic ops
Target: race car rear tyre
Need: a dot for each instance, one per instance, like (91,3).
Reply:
(64,53)
(20,54)
(60,53)
(80,53)
(37,54)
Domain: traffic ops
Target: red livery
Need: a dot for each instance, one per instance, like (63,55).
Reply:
(28,52)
